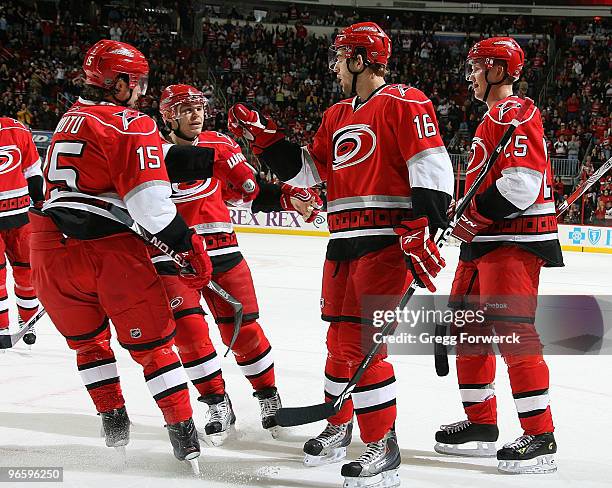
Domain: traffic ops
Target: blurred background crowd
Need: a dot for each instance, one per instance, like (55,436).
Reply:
(277,59)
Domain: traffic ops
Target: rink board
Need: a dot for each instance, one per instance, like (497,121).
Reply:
(579,238)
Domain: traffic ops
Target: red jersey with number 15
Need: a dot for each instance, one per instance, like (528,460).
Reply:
(104,153)
(523,176)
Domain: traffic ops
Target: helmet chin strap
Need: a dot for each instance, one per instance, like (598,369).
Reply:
(491,84)
(178,133)
(355,75)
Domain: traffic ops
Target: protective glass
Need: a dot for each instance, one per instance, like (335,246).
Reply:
(143,84)
(334,55)
(472,66)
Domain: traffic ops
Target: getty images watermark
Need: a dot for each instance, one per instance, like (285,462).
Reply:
(550,324)
(434,317)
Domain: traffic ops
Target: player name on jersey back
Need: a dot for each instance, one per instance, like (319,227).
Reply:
(103,154)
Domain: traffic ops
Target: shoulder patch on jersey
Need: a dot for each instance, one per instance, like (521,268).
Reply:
(504,111)
(11,123)
(398,88)
(208,137)
(129,116)
(405,93)
(506,106)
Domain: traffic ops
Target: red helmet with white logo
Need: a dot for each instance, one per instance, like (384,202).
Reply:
(502,48)
(106,60)
(365,38)
(174,96)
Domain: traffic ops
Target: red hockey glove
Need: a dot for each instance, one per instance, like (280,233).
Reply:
(260,131)
(470,223)
(231,168)
(199,260)
(423,254)
(302,200)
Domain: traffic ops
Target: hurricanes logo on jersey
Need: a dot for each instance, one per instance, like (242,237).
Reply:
(478,155)
(187,192)
(353,144)
(10,156)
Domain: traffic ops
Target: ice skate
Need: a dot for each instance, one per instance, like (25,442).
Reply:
(329,446)
(184,439)
(465,438)
(116,430)
(269,403)
(116,427)
(529,454)
(377,467)
(221,418)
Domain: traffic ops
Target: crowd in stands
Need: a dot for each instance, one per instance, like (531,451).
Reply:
(284,70)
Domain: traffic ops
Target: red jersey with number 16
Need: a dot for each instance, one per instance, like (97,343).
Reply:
(372,154)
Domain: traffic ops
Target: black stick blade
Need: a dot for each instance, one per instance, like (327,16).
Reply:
(290,417)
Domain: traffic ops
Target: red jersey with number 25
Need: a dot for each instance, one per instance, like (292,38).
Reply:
(523,176)
(101,152)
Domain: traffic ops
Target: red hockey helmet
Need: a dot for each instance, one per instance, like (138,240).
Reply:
(106,60)
(502,48)
(366,37)
(174,96)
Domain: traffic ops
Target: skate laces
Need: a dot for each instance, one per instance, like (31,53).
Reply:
(219,412)
(373,451)
(522,441)
(456,427)
(332,434)
(269,406)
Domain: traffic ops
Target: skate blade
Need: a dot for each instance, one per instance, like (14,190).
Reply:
(121,454)
(386,479)
(275,431)
(538,465)
(468,449)
(333,456)
(216,440)
(195,466)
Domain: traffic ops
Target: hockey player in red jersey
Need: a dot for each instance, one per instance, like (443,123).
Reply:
(387,172)
(89,270)
(21,184)
(509,232)
(202,204)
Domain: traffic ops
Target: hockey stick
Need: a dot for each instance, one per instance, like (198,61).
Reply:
(584,186)
(440,351)
(288,417)
(126,219)
(9,340)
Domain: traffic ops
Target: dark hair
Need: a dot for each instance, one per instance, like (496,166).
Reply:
(94,93)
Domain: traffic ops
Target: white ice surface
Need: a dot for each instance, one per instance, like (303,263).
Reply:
(47,419)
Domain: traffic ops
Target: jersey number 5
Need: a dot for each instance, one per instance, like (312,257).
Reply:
(65,177)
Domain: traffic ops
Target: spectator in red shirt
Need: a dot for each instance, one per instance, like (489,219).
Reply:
(573,107)
(559,189)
